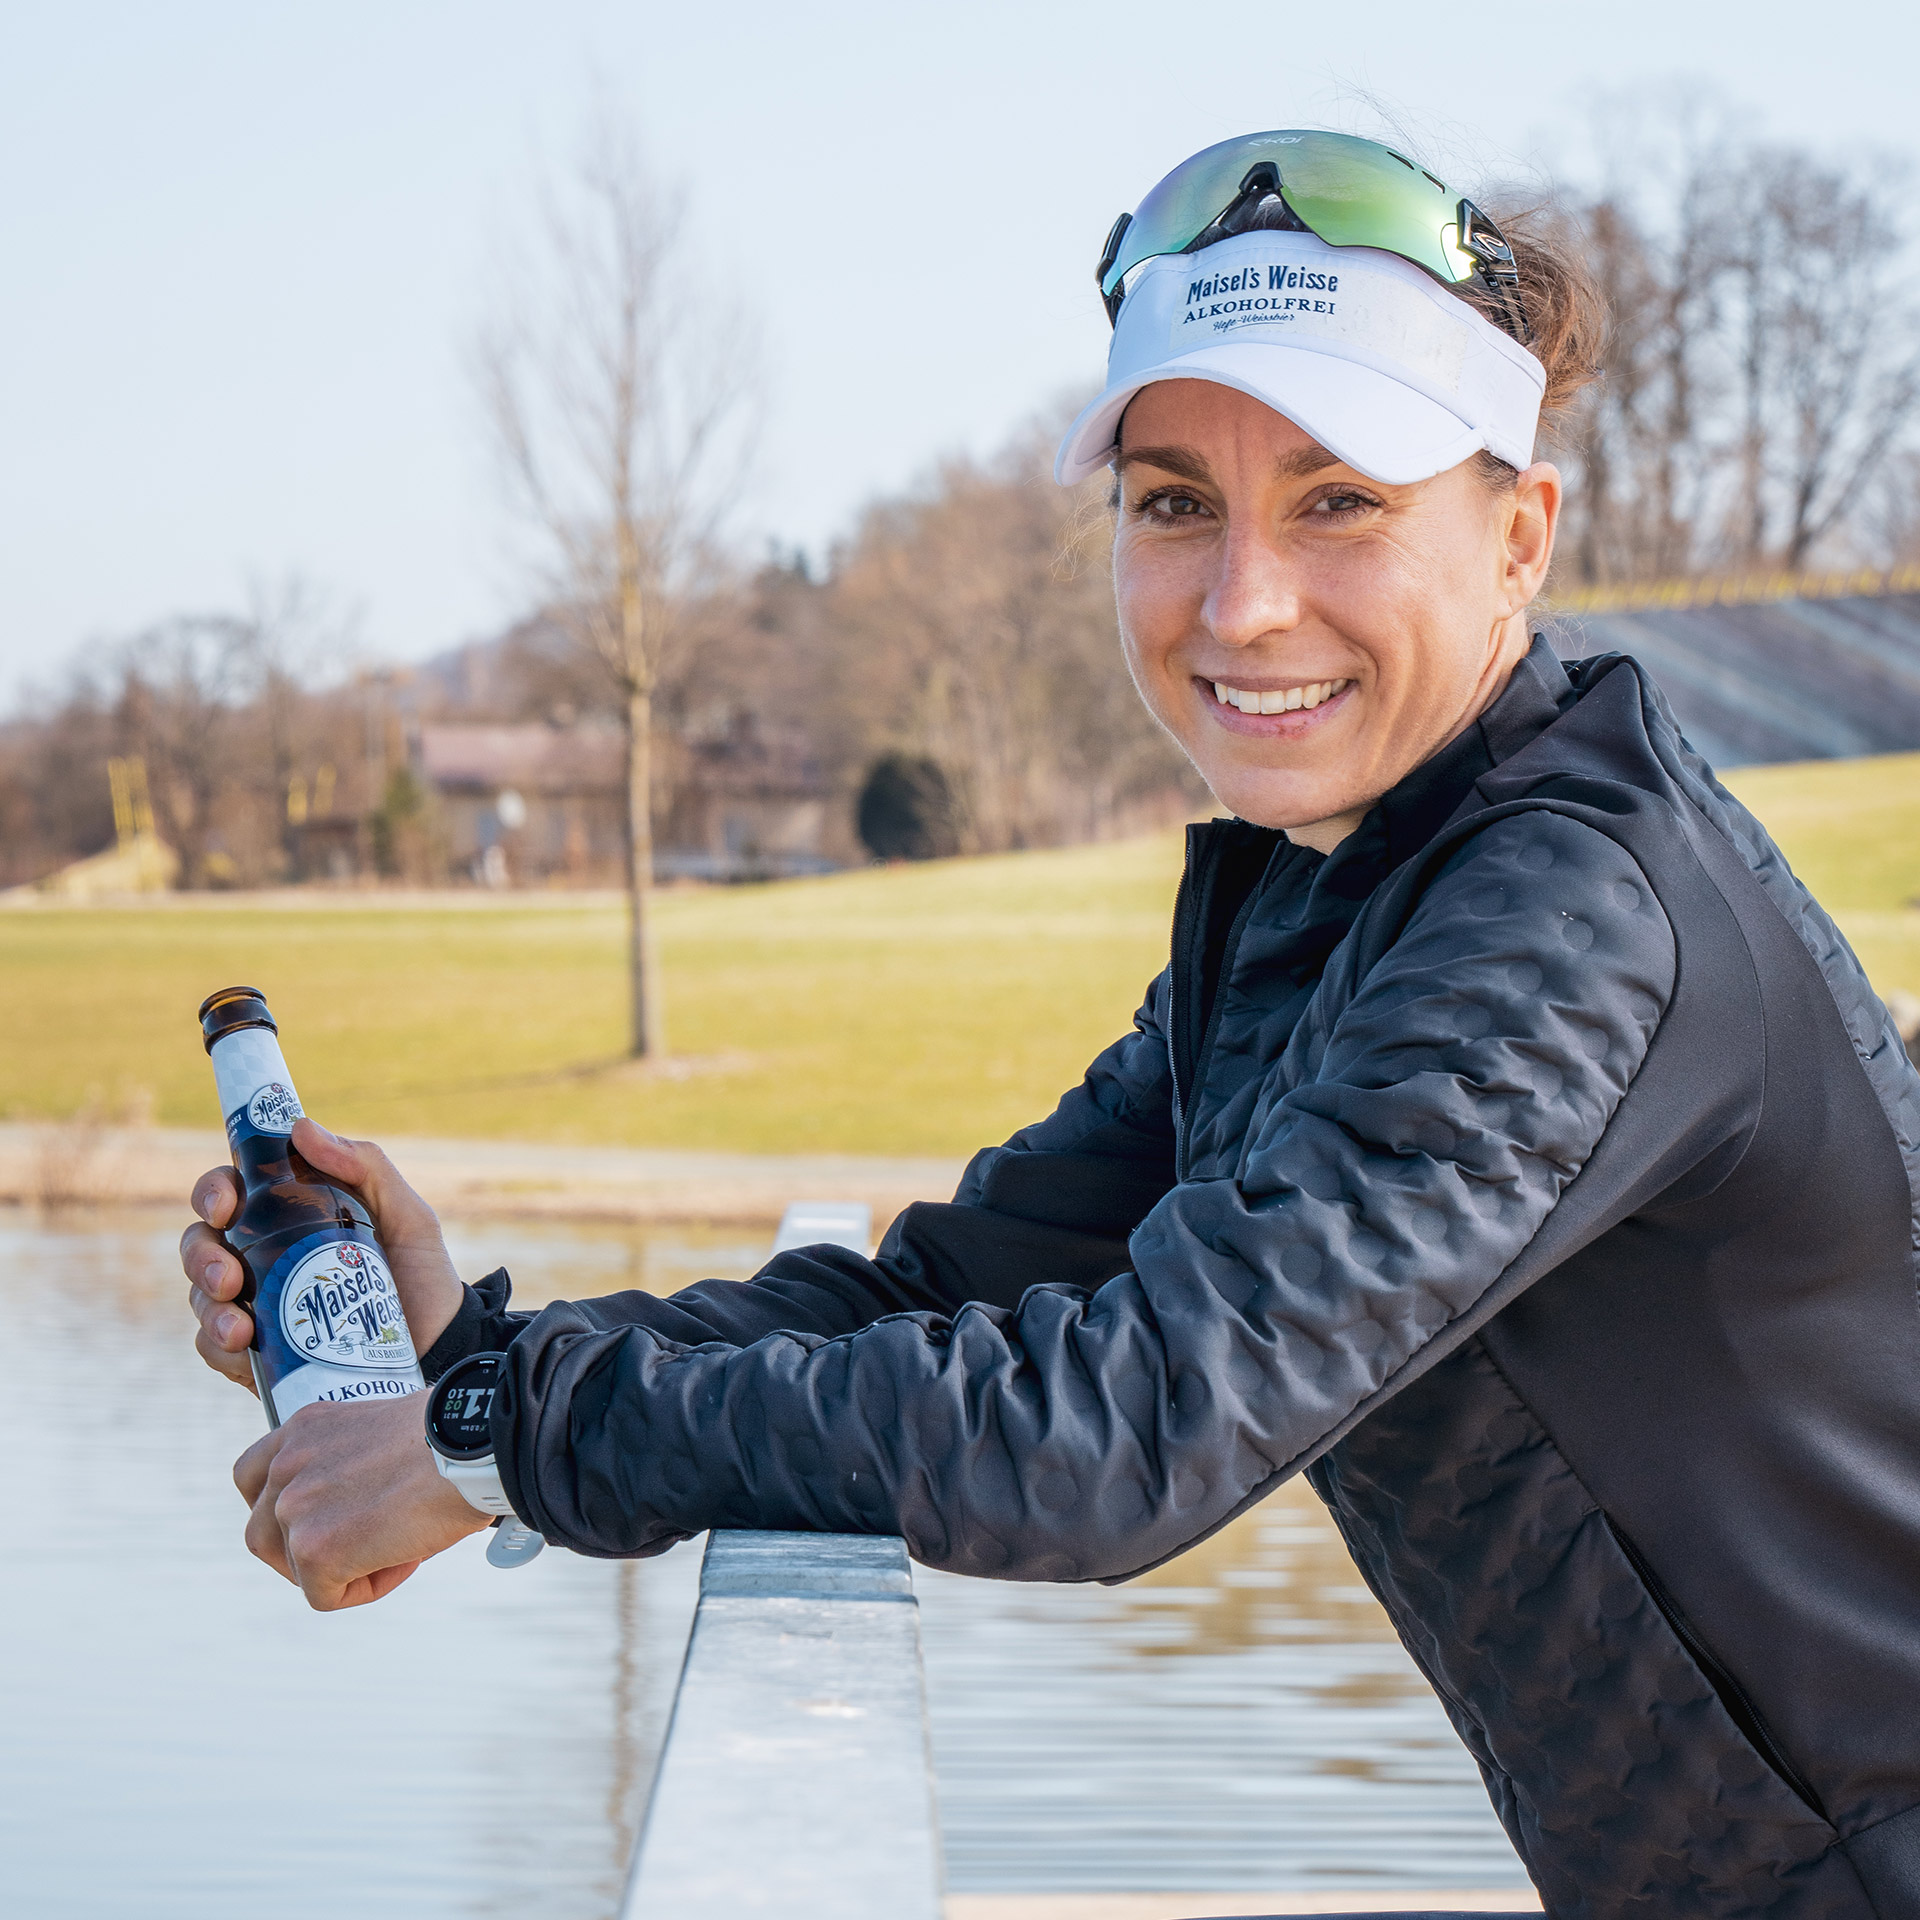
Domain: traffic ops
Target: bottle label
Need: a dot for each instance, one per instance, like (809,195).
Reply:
(304,1385)
(256,1090)
(339,1307)
(330,1325)
(274,1108)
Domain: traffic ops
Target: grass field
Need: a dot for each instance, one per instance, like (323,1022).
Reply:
(1852,830)
(906,1010)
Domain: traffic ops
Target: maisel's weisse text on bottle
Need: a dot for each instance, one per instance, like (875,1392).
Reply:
(327,1323)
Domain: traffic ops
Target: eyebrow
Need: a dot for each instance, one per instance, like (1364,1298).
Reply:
(1189,466)
(1310,459)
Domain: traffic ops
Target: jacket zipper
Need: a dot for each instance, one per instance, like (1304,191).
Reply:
(1229,948)
(1181,942)
(1733,1696)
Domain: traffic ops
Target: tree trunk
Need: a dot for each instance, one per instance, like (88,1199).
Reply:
(648,1034)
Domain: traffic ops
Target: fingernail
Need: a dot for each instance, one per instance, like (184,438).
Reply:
(330,1138)
(210,1272)
(222,1325)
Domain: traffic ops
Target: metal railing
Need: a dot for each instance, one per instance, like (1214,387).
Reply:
(795,1778)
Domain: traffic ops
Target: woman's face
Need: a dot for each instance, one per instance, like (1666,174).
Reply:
(1256,573)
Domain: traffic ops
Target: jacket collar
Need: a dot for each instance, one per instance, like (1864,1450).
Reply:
(1407,816)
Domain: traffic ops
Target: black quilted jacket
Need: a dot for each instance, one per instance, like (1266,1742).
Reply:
(1537,1173)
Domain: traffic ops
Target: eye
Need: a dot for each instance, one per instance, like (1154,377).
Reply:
(1171,503)
(1342,503)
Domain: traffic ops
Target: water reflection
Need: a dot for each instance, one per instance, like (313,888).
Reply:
(184,1739)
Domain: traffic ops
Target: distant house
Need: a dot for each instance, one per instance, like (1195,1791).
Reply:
(1811,667)
(746,804)
(531,803)
(528,802)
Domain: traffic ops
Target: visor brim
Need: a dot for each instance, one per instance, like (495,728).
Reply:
(1367,419)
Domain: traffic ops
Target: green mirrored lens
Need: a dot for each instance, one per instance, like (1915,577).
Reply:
(1190,199)
(1357,193)
(1350,192)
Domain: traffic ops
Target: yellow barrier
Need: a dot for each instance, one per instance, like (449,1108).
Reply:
(1733,591)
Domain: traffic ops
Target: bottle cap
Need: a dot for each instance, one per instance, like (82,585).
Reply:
(231,1009)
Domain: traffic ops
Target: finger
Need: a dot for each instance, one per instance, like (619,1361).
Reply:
(266,1541)
(237,1367)
(216,1196)
(250,1471)
(228,1328)
(368,1587)
(209,1265)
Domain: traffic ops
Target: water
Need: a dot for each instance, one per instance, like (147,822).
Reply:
(179,1736)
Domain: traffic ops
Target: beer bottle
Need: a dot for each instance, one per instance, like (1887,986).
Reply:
(327,1323)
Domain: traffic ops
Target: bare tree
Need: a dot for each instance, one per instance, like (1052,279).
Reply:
(1896,511)
(182,685)
(621,398)
(975,628)
(1763,363)
(1640,441)
(1829,361)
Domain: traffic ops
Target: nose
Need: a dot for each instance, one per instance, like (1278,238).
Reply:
(1255,593)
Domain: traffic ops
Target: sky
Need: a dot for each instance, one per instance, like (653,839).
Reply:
(246,248)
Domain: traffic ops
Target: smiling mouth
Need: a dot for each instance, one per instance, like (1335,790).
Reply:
(1303,699)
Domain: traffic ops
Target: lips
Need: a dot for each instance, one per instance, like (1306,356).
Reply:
(1311,694)
(1276,710)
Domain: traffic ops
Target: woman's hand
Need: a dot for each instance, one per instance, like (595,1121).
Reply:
(406,1226)
(347,1501)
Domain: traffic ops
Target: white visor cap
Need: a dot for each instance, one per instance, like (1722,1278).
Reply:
(1385,368)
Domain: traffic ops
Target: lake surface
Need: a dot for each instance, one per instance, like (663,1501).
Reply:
(179,1736)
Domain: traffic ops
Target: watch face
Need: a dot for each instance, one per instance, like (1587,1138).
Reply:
(461,1406)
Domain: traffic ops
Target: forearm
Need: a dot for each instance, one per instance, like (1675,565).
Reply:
(816,1290)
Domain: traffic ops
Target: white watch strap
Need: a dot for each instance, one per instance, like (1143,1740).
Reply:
(478,1481)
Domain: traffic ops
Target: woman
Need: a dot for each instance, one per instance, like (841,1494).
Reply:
(1512,1144)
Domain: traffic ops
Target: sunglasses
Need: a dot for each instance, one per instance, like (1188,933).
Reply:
(1349,192)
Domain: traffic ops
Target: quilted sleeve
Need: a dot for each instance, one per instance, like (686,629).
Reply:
(824,1290)
(1404,1154)
(1122,1108)
(1060,1196)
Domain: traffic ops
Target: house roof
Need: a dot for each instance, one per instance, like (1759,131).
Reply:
(531,758)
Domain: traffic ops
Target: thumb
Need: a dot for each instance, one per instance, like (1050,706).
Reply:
(365,1167)
(349,1161)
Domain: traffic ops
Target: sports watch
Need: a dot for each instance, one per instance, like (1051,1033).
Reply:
(459,1430)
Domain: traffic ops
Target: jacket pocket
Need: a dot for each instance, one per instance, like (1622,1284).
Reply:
(1732,1696)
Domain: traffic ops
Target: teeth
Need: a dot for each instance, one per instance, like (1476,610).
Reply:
(1279,699)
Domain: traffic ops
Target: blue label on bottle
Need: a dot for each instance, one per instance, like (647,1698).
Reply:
(269,1114)
(331,1326)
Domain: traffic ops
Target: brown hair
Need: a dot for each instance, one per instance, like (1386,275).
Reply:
(1566,315)
(1566,312)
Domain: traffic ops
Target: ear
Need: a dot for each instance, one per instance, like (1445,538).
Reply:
(1531,512)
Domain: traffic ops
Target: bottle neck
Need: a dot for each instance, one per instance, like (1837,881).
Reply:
(257,1101)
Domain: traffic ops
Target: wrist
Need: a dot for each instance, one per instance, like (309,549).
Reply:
(458,1431)
(459,1515)
(429,1317)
